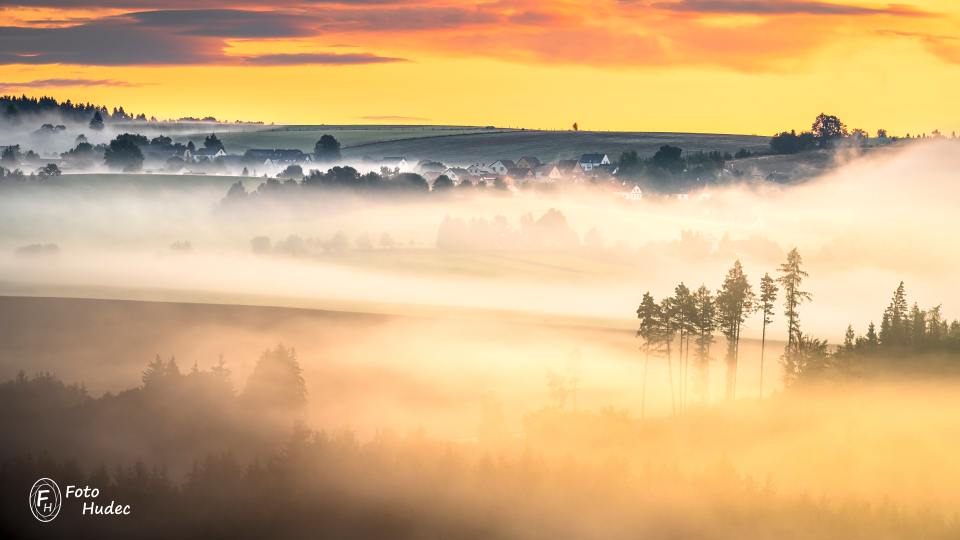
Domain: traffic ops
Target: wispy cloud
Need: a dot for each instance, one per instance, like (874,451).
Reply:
(52,83)
(623,33)
(329,59)
(171,37)
(944,46)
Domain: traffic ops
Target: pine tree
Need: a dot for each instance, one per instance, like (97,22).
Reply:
(936,327)
(667,332)
(681,317)
(873,341)
(768,295)
(704,324)
(172,369)
(849,339)
(918,327)
(154,372)
(893,329)
(791,278)
(97,121)
(221,373)
(649,333)
(735,301)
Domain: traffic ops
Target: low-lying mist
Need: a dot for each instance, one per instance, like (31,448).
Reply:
(861,229)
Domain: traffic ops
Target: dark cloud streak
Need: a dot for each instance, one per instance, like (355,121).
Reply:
(329,59)
(785,7)
(53,83)
(174,37)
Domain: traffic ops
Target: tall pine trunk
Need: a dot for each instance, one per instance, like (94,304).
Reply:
(763,344)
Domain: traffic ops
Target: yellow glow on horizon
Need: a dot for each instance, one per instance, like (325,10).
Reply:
(879,75)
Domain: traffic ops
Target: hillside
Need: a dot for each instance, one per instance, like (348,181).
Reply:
(465,144)
(304,137)
(548,145)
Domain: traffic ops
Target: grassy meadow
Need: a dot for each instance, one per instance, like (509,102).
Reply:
(304,137)
(464,144)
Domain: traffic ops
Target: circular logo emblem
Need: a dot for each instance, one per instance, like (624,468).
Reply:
(45,499)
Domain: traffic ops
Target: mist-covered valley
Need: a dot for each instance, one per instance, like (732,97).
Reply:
(574,252)
(474,363)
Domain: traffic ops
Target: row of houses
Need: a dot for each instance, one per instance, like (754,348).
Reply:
(527,169)
(255,156)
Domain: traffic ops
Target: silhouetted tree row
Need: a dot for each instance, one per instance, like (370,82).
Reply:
(696,315)
(826,132)
(339,178)
(173,415)
(904,331)
(15,110)
(669,167)
(333,485)
(905,335)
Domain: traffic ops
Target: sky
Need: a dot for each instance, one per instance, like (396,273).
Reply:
(721,66)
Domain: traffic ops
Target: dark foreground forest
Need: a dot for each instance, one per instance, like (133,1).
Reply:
(196,454)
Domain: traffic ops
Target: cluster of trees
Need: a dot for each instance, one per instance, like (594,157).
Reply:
(825,132)
(18,176)
(297,246)
(11,156)
(202,412)
(669,166)
(904,331)
(295,481)
(127,151)
(293,184)
(691,318)
(547,232)
(327,149)
(16,110)
(124,152)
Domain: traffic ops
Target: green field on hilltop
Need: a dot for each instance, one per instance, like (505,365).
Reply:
(304,137)
(465,144)
(549,146)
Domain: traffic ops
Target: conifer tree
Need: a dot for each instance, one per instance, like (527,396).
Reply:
(893,328)
(704,324)
(649,333)
(681,317)
(768,295)
(735,301)
(791,278)
(154,372)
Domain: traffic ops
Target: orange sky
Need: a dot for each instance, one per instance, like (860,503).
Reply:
(743,66)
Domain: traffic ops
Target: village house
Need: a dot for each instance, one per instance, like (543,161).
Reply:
(589,162)
(430,169)
(275,157)
(634,194)
(457,174)
(478,169)
(487,179)
(548,173)
(501,166)
(208,154)
(528,162)
(395,163)
(518,175)
(568,167)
